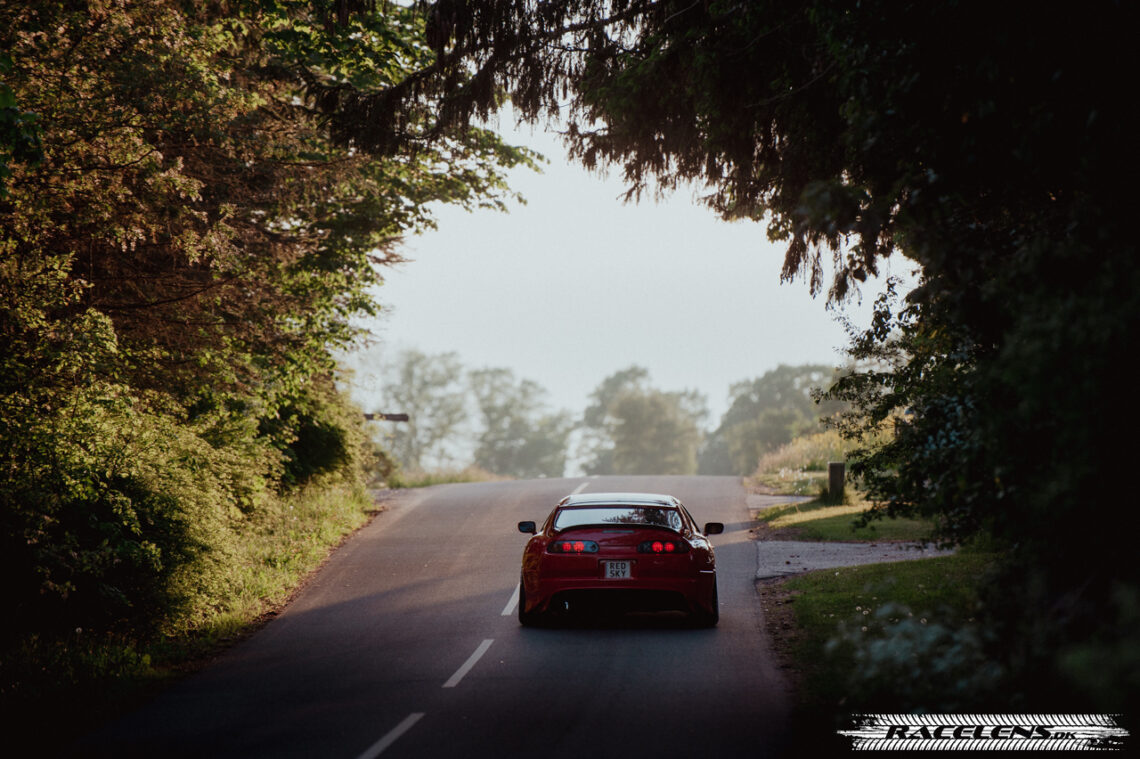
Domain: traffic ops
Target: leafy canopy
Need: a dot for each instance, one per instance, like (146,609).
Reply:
(184,242)
(991,145)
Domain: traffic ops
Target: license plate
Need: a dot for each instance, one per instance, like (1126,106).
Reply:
(617,570)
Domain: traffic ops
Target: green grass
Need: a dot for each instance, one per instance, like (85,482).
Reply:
(796,513)
(806,453)
(932,591)
(819,520)
(842,527)
(440,477)
(882,637)
(277,550)
(91,678)
(792,481)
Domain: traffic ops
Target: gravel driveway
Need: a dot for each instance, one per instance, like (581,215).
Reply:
(779,558)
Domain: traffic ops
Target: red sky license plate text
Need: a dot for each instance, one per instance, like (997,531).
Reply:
(617,570)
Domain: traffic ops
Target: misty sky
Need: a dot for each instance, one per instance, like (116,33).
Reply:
(576,285)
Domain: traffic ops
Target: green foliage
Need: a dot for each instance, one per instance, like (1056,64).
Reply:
(635,429)
(320,433)
(811,452)
(518,438)
(19,133)
(924,665)
(113,508)
(276,547)
(986,144)
(848,527)
(765,414)
(514,433)
(430,390)
(838,519)
(800,466)
(899,637)
(80,664)
(91,676)
(597,444)
(656,432)
(1114,648)
(441,477)
(183,243)
(792,481)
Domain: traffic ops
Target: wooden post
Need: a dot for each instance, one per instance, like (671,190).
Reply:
(835,473)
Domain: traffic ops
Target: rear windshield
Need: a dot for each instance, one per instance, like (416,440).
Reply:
(652,516)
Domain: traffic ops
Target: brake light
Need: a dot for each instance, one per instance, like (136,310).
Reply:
(573,547)
(663,546)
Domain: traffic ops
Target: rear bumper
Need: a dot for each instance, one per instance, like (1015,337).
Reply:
(686,593)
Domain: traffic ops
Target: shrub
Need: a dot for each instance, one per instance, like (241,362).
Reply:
(902,660)
(806,453)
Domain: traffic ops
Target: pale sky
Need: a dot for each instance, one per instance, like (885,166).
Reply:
(576,285)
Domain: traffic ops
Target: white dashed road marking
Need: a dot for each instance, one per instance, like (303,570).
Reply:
(378,748)
(467,665)
(509,609)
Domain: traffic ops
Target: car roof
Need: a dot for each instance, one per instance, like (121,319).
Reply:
(619,499)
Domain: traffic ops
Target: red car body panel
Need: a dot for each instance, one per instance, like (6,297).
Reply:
(609,559)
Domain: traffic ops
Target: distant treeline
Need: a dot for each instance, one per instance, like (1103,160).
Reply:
(629,427)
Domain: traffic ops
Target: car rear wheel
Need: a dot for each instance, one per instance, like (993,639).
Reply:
(526,618)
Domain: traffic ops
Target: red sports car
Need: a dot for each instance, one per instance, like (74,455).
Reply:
(619,551)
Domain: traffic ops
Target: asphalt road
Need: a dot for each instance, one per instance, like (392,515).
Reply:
(406,644)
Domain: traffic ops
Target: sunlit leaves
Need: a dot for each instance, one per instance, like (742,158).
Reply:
(183,244)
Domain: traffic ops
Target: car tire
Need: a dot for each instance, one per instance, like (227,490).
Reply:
(526,618)
(704,618)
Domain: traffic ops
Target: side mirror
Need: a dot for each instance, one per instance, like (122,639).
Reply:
(528,527)
(713,528)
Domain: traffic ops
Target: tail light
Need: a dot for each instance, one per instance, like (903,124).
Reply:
(573,547)
(663,546)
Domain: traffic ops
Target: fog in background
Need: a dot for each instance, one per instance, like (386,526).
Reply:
(577,284)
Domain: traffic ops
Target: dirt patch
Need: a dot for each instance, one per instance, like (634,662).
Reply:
(765,531)
(777,603)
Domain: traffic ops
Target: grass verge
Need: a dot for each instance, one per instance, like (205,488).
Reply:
(91,678)
(940,590)
(788,481)
(275,554)
(894,638)
(441,477)
(818,520)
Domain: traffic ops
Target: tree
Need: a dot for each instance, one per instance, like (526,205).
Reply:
(764,414)
(597,442)
(19,135)
(990,145)
(183,243)
(429,390)
(636,429)
(656,432)
(518,437)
